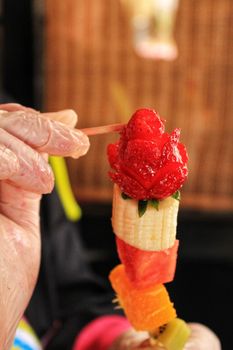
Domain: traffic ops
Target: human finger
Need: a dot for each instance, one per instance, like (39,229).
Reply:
(13,107)
(34,173)
(44,134)
(202,338)
(9,163)
(66,116)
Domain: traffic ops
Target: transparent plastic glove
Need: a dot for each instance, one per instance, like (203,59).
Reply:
(202,338)
(26,138)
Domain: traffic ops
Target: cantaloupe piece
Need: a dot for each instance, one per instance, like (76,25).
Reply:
(146,308)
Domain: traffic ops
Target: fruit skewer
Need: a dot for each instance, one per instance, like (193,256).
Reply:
(149,167)
(104,129)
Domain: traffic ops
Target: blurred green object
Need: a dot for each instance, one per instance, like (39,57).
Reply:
(64,190)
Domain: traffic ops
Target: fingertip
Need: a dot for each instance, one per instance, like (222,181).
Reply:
(67,116)
(203,337)
(70,117)
(82,147)
(65,142)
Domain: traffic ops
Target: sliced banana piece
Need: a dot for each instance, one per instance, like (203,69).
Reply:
(155,230)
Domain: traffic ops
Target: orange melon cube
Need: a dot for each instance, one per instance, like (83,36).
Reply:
(146,308)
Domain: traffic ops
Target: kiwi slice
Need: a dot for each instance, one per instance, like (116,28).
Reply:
(156,332)
(174,335)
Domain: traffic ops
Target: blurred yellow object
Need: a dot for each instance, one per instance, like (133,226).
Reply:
(65,193)
(121,100)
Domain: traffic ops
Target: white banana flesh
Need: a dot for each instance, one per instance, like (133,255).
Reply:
(155,230)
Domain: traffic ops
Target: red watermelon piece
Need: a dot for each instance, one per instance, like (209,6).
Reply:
(146,268)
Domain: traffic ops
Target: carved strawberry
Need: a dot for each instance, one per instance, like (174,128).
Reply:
(148,163)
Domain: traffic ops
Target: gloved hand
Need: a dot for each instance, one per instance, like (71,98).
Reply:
(27,137)
(202,338)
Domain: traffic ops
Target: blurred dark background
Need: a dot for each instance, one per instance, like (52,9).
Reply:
(203,287)
(17,58)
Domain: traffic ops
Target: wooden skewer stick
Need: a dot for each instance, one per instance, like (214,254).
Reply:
(105,129)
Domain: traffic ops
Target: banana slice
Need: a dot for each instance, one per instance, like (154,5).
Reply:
(155,230)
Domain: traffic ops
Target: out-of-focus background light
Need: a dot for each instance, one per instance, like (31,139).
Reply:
(153,24)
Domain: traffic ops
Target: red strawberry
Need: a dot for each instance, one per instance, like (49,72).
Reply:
(144,124)
(147,162)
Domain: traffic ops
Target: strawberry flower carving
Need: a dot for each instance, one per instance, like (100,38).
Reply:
(148,163)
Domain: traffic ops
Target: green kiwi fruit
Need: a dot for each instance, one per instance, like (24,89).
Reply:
(173,335)
(158,331)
